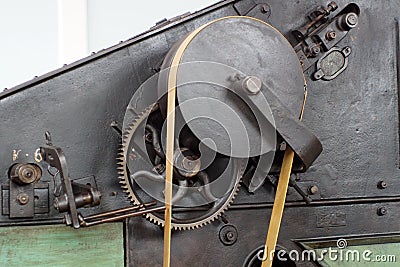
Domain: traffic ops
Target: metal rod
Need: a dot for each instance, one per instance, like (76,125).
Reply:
(300,204)
(112,212)
(123,216)
(328,202)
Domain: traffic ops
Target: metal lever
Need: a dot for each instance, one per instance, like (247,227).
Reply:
(305,197)
(55,157)
(73,195)
(301,140)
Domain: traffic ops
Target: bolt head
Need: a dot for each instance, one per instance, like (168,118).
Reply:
(23,199)
(265,8)
(351,20)
(330,35)
(252,85)
(28,173)
(382,184)
(315,50)
(333,5)
(313,190)
(382,211)
(230,236)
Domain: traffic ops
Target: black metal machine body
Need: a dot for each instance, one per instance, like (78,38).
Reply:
(349,54)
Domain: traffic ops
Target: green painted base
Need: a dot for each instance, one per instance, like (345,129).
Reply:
(58,245)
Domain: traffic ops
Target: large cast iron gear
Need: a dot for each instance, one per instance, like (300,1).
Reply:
(131,190)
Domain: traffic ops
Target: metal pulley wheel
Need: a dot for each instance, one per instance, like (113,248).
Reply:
(216,130)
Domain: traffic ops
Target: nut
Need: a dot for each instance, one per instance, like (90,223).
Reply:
(23,199)
(315,50)
(330,35)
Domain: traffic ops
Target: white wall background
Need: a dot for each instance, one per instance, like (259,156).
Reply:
(41,35)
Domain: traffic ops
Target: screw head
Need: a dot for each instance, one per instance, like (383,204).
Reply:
(252,85)
(381,211)
(352,19)
(382,185)
(265,8)
(28,173)
(230,236)
(23,199)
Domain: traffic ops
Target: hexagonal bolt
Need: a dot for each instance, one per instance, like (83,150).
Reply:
(315,50)
(23,199)
(331,35)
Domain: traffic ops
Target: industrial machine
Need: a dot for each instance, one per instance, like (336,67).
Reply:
(248,83)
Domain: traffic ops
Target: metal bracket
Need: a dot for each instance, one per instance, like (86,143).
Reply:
(40,201)
(322,32)
(21,197)
(332,63)
(21,200)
